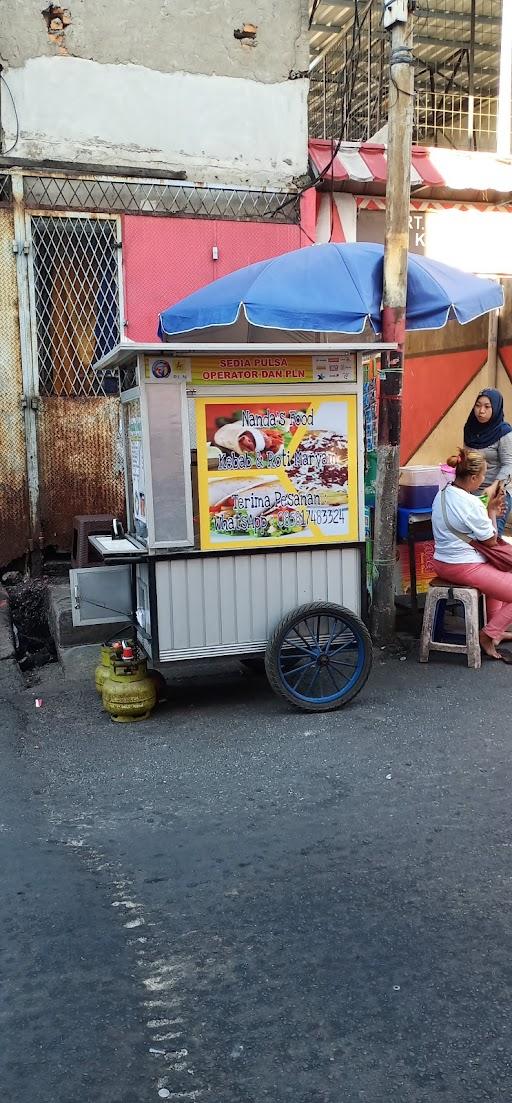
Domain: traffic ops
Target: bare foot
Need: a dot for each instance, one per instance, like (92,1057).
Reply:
(488,645)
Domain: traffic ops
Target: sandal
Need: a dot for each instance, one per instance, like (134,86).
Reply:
(505,656)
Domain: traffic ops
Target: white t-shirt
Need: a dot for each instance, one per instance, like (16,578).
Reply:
(465,513)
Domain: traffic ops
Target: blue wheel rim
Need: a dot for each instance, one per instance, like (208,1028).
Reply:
(321,658)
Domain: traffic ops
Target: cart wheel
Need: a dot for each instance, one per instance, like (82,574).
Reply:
(319,657)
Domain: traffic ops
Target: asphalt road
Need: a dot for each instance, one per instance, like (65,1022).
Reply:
(236,903)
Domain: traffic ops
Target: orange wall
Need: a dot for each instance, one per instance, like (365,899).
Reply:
(432,385)
(444,370)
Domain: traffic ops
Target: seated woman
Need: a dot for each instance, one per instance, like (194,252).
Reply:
(487,431)
(459,562)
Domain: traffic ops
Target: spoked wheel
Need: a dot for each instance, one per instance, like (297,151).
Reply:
(319,657)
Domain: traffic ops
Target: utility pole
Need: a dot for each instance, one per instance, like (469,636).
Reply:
(397,17)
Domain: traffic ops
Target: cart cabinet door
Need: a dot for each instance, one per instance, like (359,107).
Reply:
(100,595)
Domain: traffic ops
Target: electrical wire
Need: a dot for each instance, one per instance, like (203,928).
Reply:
(356,34)
(313,13)
(305,232)
(331,208)
(107,608)
(6,152)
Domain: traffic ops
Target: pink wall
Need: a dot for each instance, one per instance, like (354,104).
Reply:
(167,258)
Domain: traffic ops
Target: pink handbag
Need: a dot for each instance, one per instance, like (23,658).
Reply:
(499,555)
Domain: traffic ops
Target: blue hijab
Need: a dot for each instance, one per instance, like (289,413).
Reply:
(483,436)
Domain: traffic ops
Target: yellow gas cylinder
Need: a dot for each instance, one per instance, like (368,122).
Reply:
(103,668)
(128,693)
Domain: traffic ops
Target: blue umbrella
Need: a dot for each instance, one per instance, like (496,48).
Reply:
(330,289)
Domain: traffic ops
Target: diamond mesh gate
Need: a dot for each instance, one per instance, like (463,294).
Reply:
(75,292)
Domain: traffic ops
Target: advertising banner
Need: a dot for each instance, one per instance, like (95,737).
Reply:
(200,371)
(136,467)
(277,472)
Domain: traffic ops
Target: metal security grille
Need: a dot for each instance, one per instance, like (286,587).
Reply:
(456,51)
(159,197)
(5,189)
(76,298)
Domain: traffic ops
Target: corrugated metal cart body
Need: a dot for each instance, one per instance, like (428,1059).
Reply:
(230,604)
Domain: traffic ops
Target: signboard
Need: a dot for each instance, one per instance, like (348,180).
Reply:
(339,367)
(277,472)
(475,240)
(371,226)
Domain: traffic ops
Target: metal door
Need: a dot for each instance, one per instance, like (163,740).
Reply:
(75,304)
(100,595)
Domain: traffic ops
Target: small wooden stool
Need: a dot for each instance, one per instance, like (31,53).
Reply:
(469,598)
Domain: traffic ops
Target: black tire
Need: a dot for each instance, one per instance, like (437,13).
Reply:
(279,656)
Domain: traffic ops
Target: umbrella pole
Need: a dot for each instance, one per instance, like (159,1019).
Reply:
(400,124)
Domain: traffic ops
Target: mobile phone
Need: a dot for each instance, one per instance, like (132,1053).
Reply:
(504,483)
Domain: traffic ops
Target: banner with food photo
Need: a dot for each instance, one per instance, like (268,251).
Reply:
(278,472)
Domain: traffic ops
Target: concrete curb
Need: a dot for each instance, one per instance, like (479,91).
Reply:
(6,634)
(10,674)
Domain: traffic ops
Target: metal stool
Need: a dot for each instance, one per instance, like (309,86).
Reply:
(469,598)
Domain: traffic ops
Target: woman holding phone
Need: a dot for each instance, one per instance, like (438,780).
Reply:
(458,519)
(487,431)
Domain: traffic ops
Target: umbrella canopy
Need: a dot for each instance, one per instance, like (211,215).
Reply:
(328,289)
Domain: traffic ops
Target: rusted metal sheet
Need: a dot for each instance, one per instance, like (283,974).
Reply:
(14,522)
(80,468)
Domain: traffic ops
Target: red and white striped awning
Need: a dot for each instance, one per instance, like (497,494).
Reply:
(440,173)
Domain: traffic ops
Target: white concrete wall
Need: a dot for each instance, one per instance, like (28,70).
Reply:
(216,128)
(161,85)
(197,36)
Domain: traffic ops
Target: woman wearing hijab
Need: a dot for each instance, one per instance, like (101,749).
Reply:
(488,432)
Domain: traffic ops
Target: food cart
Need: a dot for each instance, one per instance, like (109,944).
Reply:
(245,535)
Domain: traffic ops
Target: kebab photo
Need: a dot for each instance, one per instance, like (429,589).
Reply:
(231,437)
(235,437)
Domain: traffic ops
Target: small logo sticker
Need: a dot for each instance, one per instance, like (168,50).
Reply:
(161,369)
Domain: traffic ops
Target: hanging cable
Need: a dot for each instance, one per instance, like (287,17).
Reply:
(6,152)
(342,87)
(313,13)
